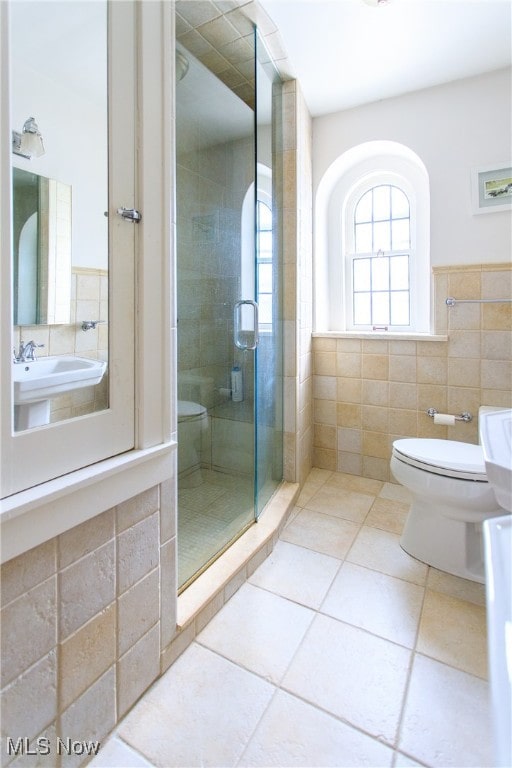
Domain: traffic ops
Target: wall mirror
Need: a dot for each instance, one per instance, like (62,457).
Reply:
(59,83)
(41,250)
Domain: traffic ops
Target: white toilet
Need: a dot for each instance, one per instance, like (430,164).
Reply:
(192,424)
(451,498)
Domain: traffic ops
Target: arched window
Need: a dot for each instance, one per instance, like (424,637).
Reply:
(372,266)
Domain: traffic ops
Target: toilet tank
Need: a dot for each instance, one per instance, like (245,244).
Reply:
(196,388)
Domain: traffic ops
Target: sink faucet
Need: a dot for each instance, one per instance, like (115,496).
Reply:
(26,352)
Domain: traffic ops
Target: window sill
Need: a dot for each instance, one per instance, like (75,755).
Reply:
(36,515)
(385,335)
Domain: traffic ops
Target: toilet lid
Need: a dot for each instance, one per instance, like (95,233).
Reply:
(187,409)
(446,457)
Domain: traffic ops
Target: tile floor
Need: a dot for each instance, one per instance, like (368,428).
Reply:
(341,650)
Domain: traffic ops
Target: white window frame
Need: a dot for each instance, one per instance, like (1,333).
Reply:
(349,254)
(351,171)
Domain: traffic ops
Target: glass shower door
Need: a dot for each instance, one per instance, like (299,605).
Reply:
(268,385)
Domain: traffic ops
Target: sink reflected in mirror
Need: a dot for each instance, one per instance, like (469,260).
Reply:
(36,382)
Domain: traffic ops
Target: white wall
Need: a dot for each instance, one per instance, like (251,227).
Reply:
(453,128)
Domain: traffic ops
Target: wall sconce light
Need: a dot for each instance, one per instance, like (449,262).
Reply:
(28,143)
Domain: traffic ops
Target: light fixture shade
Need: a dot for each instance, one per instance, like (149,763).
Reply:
(31,144)
(28,143)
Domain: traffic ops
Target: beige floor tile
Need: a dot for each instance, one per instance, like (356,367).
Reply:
(381,604)
(381,551)
(396,492)
(297,573)
(446,718)
(332,669)
(454,631)
(456,587)
(402,761)
(294,733)
(315,480)
(388,515)
(258,630)
(355,483)
(116,754)
(341,502)
(322,533)
(201,713)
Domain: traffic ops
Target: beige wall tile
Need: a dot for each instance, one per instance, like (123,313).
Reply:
(77,605)
(348,364)
(349,390)
(91,717)
(496,345)
(403,395)
(324,411)
(86,655)
(497,284)
(325,364)
(168,582)
(324,436)
(432,370)
(352,463)
(134,510)
(402,368)
(138,610)
(324,387)
(376,444)
(324,458)
(137,669)
(29,704)
(349,415)
(464,344)
(432,396)
(375,367)
(29,629)
(374,418)
(375,392)
(27,570)
(403,422)
(79,541)
(463,372)
(497,375)
(138,552)
(349,440)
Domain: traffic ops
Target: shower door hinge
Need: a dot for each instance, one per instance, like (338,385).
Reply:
(130,214)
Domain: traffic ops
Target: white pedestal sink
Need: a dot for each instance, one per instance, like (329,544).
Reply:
(496,440)
(36,382)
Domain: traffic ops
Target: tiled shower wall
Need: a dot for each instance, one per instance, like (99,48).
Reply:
(89,301)
(370,392)
(84,618)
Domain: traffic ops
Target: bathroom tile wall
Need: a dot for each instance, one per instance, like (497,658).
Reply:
(89,301)
(84,617)
(297,249)
(370,392)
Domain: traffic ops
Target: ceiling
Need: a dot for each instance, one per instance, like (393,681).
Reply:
(346,53)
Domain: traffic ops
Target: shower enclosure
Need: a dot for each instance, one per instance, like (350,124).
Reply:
(229,279)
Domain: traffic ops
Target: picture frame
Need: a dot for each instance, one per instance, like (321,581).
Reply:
(492,188)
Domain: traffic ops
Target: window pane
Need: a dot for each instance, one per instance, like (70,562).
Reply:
(361,274)
(265,278)
(381,236)
(400,234)
(362,309)
(399,273)
(265,245)
(264,216)
(400,308)
(363,238)
(399,203)
(364,208)
(381,203)
(380,308)
(380,274)
(265,309)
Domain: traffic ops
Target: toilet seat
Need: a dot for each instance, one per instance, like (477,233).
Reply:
(448,458)
(189,410)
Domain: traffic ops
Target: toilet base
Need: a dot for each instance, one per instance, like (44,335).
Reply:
(451,545)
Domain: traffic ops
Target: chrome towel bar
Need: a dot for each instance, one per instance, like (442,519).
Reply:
(451,302)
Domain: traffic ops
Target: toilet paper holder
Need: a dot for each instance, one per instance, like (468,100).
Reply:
(464,416)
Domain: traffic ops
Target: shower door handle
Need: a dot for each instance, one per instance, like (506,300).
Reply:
(237,317)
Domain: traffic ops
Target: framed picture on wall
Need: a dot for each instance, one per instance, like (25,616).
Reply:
(492,188)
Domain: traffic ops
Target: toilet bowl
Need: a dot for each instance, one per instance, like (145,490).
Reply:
(192,424)
(451,498)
